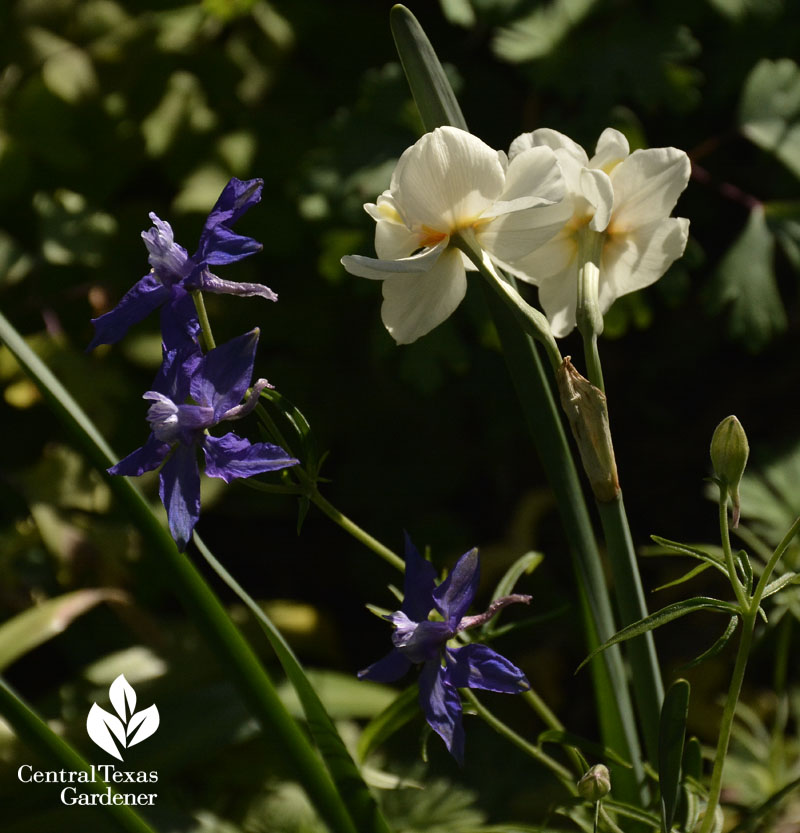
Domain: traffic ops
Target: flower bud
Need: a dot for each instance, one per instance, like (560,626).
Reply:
(587,414)
(595,784)
(729,452)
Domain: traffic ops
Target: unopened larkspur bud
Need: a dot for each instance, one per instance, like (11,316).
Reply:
(595,784)
(729,453)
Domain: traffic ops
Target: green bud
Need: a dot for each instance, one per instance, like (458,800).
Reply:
(729,453)
(595,784)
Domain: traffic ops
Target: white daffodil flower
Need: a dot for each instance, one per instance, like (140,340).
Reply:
(620,206)
(451,183)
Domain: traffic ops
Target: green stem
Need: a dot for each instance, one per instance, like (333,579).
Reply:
(560,771)
(725,537)
(205,324)
(232,650)
(352,528)
(728,713)
(550,720)
(773,562)
(648,689)
(32,730)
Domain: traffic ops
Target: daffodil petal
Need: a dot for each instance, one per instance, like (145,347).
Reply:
(510,238)
(546,137)
(447,179)
(598,191)
(647,185)
(413,304)
(553,258)
(378,270)
(640,257)
(533,179)
(558,296)
(612,147)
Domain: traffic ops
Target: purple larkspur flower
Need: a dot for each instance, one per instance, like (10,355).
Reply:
(174,274)
(445,669)
(216,383)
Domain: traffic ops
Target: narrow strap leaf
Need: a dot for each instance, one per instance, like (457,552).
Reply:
(432,92)
(717,647)
(346,775)
(402,709)
(671,737)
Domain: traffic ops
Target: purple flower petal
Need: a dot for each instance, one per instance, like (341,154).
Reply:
(180,326)
(209,282)
(387,669)
(231,456)
(454,595)
(147,458)
(137,303)
(178,366)
(168,258)
(478,666)
(218,244)
(442,706)
(418,584)
(180,493)
(225,373)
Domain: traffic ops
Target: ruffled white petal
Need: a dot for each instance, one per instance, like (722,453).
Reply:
(647,185)
(551,259)
(510,238)
(380,270)
(533,179)
(559,297)
(545,137)
(447,180)
(416,303)
(612,147)
(639,258)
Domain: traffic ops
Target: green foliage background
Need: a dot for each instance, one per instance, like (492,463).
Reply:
(110,110)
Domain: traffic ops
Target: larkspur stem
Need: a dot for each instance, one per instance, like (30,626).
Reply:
(205,324)
(560,771)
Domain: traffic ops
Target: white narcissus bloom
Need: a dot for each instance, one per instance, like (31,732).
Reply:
(620,206)
(450,182)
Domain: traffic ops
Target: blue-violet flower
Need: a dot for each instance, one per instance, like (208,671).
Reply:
(217,383)
(445,669)
(174,274)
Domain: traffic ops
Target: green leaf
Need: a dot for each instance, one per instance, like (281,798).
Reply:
(675,548)
(754,817)
(695,571)
(717,647)
(631,812)
(404,708)
(596,750)
(430,88)
(742,561)
(744,283)
(661,617)
(779,583)
(693,759)
(671,736)
(352,789)
(769,111)
(37,624)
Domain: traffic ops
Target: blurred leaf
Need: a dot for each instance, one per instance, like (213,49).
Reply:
(596,750)
(62,477)
(783,219)
(736,9)
(67,70)
(706,555)
(32,627)
(540,32)
(459,12)
(769,111)
(779,583)
(400,711)
(745,283)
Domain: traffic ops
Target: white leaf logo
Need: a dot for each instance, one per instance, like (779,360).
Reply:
(129,728)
